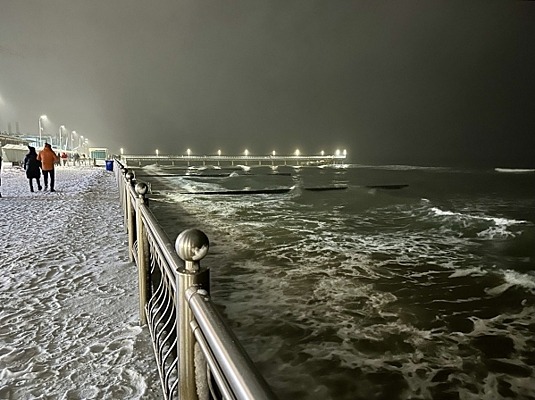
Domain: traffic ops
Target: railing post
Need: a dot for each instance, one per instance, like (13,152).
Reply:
(119,175)
(142,252)
(191,246)
(124,188)
(130,222)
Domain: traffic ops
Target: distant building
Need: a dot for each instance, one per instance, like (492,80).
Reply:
(13,148)
(99,155)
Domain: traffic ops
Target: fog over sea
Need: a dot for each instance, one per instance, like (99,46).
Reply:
(422,292)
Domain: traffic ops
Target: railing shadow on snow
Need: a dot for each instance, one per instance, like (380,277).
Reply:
(197,355)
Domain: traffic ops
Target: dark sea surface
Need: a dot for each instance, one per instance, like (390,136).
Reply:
(422,292)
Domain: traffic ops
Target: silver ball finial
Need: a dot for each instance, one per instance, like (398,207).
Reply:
(141,188)
(192,245)
(129,175)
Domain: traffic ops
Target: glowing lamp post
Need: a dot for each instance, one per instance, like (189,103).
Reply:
(157,152)
(42,117)
(122,151)
(72,139)
(61,129)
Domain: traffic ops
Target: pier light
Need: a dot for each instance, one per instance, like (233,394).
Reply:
(344,152)
(297,153)
(157,152)
(322,153)
(337,153)
(219,153)
(122,151)
(188,152)
(246,152)
(273,153)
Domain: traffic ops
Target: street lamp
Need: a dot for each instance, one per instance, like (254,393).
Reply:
(157,152)
(72,139)
(322,153)
(61,128)
(41,129)
(297,153)
(246,152)
(122,151)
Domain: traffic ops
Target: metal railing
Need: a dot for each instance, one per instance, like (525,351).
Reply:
(197,355)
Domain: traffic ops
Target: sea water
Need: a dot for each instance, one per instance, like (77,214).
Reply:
(424,291)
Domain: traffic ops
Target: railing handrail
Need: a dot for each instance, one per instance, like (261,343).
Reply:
(235,365)
(232,370)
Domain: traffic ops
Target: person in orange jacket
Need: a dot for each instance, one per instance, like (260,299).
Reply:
(48,159)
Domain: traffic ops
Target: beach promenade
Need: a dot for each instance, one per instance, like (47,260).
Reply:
(68,293)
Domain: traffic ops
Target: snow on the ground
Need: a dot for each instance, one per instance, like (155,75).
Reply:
(68,293)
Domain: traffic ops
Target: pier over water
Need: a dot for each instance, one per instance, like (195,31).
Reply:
(233,160)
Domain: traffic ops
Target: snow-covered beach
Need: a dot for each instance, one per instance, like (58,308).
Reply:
(68,293)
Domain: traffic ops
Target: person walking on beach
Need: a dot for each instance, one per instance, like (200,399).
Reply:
(48,158)
(33,168)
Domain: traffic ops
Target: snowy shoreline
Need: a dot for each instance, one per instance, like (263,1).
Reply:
(69,320)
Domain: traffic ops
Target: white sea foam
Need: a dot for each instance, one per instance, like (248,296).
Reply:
(515,170)
(475,271)
(513,279)
(495,220)
(498,229)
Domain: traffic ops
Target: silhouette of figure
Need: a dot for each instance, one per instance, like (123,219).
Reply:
(48,159)
(33,168)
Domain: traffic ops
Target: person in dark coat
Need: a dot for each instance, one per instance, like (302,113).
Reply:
(33,168)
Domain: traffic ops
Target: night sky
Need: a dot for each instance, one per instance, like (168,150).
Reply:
(442,83)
